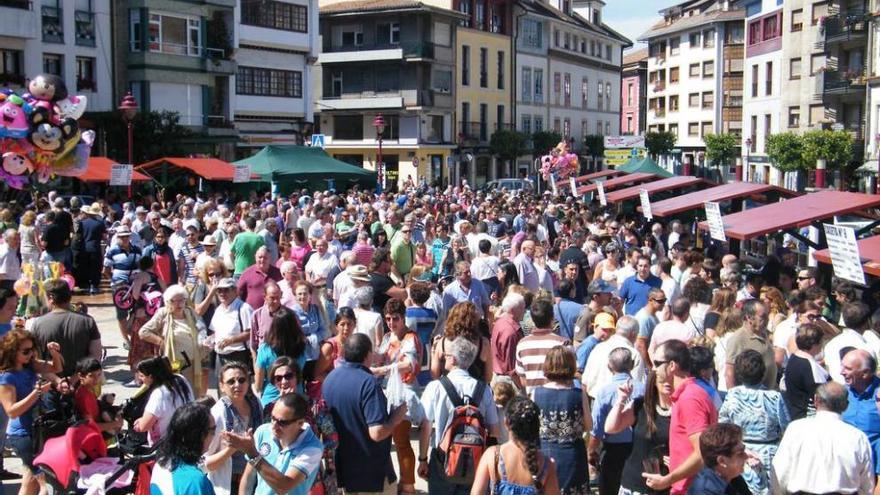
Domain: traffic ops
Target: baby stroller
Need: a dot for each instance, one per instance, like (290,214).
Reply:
(81,453)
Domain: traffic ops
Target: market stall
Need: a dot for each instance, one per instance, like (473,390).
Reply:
(725,192)
(655,187)
(100,168)
(869,252)
(598,175)
(617,182)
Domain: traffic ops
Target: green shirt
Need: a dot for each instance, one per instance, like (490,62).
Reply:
(244,249)
(403,254)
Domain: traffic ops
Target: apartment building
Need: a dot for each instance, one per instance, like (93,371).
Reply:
(276,47)
(695,73)
(70,39)
(177,55)
(634,93)
(393,58)
(568,70)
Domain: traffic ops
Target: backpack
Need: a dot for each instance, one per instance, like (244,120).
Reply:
(464,439)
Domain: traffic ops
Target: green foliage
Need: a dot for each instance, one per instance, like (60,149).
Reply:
(721,149)
(836,147)
(508,144)
(156,134)
(544,141)
(786,151)
(659,143)
(594,145)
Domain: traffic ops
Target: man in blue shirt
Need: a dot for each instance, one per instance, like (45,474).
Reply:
(566,311)
(466,289)
(858,368)
(634,290)
(360,414)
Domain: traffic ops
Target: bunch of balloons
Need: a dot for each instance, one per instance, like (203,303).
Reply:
(560,163)
(39,135)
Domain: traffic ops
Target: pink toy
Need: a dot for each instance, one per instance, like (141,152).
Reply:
(14,117)
(561,162)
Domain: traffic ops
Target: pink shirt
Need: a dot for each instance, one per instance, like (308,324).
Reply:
(692,412)
(298,254)
(363,253)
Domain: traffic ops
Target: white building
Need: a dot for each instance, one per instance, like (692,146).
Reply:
(276,45)
(695,73)
(70,38)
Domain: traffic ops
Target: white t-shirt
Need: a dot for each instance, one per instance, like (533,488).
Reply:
(669,330)
(230,321)
(319,266)
(367,322)
(162,403)
(483,267)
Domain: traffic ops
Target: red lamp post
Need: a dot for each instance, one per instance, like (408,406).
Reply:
(379,124)
(129,108)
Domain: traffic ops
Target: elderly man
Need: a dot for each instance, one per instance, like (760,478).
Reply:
(856,320)
(320,264)
(466,289)
(823,454)
(269,233)
(253,281)
(10,266)
(597,374)
(675,328)
(120,261)
(338,276)
(506,334)
(859,368)
(753,335)
(525,266)
(261,319)
(439,407)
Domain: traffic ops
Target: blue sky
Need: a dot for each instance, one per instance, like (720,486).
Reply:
(633,17)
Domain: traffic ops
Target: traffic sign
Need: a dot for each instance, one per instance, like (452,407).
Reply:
(318,140)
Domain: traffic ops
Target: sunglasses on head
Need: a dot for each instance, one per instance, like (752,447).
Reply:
(287,376)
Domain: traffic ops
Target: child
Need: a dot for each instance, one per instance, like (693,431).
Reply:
(91,375)
(502,392)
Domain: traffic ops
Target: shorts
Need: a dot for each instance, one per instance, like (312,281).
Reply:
(23,446)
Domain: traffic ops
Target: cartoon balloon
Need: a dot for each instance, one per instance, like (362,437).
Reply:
(16,164)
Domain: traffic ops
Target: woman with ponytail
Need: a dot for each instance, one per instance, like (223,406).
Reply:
(517,467)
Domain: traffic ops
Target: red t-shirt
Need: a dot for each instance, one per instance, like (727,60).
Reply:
(163,268)
(86,403)
(692,412)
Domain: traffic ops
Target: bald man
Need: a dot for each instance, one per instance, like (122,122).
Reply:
(859,369)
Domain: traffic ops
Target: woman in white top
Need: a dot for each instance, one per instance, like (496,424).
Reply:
(231,324)
(607,269)
(167,392)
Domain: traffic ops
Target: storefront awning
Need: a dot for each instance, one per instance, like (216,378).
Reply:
(598,175)
(658,186)
(206,168)
(99,171)
(724,192)
(869,251)
(617,182)
(794,213)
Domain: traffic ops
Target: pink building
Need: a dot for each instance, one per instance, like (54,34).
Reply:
(634,93)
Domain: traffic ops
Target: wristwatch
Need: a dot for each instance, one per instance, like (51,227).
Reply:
(254,461)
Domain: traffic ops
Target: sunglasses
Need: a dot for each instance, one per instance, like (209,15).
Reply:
(286,376)
(660,301)
(803,278)
(232,381)
(658,363)
(813,317)
(284,422)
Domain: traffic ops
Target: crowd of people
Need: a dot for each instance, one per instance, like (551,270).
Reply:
(532,344)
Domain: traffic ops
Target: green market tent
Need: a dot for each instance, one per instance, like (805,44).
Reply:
(297,167)
(644,165)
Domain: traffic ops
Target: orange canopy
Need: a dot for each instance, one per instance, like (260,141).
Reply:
(99,171)
(206,168)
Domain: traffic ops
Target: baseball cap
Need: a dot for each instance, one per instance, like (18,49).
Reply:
(599,286)
(604,320)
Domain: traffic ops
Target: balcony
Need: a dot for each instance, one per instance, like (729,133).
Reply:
(53,30)
(18,19)
(852,26)
(847,83)
(473,132)
(179,56)
(414,51)
(733,101)
(84,28)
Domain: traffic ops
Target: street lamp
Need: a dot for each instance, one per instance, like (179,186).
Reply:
(739,169)
(379,124)
(129,107)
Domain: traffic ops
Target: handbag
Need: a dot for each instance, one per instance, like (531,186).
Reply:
(177,364)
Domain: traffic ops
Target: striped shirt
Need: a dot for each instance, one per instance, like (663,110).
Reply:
(530,354)
(363,253)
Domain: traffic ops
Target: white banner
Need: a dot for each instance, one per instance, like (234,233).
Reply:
(646,204)
(844,250)
(601,189)
(716,225)
(574,187)
(120,174)
(242,174)
(617,142)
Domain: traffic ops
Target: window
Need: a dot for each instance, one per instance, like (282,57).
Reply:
(496,19)
(539,123)
(335,84)
(734,34)
(85,74)
(694,100)
(694,129)
(817,62)
(673,103)
(768,83)
(526,124)
(794,116)
(607,128)
(706,129)
(275,15)
(352,36)
(820,10)
(601,93)
(755,32)
(674,48)
(694,70)
(708,100)
(539,86)
(607,96)
(11,71)
(532,33)
(442,81)
(598,128)
(673,75)
(585,90)
(753,134)
(794,68)
(174,35)
(53,24)
(771,27)
(556,38)
(442,34)
(270,82)
(480,14)
(500,70)
(484,121)
(84,27)
(484,67)
(566,128)
(557,125)
(694,40)
(557,87)
(388,33)
(349,126)
(708,69)
(629,93)
(526,84)
(592,48)
(566,41)
(499,117)
(134,30)
(608,52)
(629,124)
(465,65)
(709,38)
(797,20)
(673,128)
(768,121)
(566,88)
(464,6)
(465,116)
(53,64)
(387,81)
(754,81)
(584,129)
(584,46)
(817,114)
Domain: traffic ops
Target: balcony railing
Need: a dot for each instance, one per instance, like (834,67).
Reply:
(505,127)
(85,28)
(180,49)
(840,82)
(473,131)
(53,31)
(17,4)
(845,27)
(419,49)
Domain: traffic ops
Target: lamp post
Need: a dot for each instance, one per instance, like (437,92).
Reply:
(820,173)
(739,168)
(379,124)
(129,107)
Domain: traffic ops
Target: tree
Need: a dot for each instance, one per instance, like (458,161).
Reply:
(786,151)
(721,148)
(544,141)
(508,144)
(659,143)
(594,145)
(156,134)
(836,147)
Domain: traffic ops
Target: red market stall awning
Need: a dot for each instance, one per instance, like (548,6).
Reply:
(695,200)
(869,251)
(598,175)
(99,171)
(206,168)
(794,213)
(670,184)
(616,182)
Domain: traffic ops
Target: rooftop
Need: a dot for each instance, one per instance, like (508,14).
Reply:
(546,10)
(708,16)
(635,56)
(350,6)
